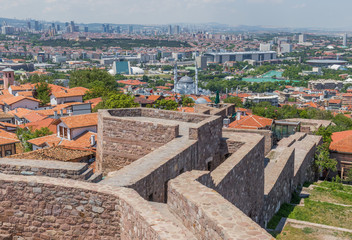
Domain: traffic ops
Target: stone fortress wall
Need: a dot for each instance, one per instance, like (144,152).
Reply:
(199,183)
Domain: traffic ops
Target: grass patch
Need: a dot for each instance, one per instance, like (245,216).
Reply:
(292,232)
(295,198)
(284,211)
(336,186)
(307,184)
(331,195)
(323,213)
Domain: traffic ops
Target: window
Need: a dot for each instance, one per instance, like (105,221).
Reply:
(61,131)
(65,132)
(209,166)
(8,152)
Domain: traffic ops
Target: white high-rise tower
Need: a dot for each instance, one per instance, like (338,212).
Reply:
(344,40)
(196,79)
(175,77)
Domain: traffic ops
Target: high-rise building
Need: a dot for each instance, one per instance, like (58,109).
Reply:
(302,38)
(130,29)
(58,28)
(118,29)
(169,30)
(53,26)
(202,62)
(344,40)
(177,30)
(36,25)
(29,25)
(285,48)
(86,29)
(265,47)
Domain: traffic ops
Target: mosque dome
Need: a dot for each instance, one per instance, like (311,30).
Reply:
(186,79)
(201,101)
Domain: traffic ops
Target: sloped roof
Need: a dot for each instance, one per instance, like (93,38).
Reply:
(34,116)
(94,101)
(81,141)
(47,122)
(251,122)
(79,121)
(15,99)
(69,93)
(341,141)
(58,153)
(7,137)
(51,140)
(20,112)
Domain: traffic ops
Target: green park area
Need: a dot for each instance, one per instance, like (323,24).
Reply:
(329,203)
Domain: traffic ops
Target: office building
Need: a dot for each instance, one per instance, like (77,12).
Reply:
(177,30)
(202,62)
(36,26)
(29,25)
(285,48)
(7,30)
(272,99)
(169,30)
(130,29)
(344,40)
(86,29)
(121,67)
(265,47)
(302,38)
(240,56)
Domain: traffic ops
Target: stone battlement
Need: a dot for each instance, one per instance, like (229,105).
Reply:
(169,175)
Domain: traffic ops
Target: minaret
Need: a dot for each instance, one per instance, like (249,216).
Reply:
(196,79)
(175,77)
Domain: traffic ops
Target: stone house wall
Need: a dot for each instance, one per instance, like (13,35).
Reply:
(278,183)
(269,141)
(50,208)
(240,178)
(208,215)
(120,145)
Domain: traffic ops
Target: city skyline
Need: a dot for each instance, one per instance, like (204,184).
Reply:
(276,13)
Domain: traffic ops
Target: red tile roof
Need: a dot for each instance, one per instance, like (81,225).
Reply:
(82,141)
(7,137)
(251,122)
(34,116)
(94,101)
(79,121)
(50,140)
(132,82)
(48,122)
(341,141)
(15,99)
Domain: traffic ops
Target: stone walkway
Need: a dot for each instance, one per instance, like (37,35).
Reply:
(310,224)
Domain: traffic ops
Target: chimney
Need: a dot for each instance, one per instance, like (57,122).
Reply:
(16,110)
(92,140)
(55,114)
(226,122)
(238,115)
(61,112)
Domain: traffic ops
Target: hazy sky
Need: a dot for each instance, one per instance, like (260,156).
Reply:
(283,13)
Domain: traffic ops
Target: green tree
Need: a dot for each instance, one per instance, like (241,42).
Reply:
(235,100)
(92,78)
(187,101)
(42,92)
(24,135)
(323,160)
(165,104)
(116,101)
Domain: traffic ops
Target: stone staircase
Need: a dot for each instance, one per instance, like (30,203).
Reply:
(57,169)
